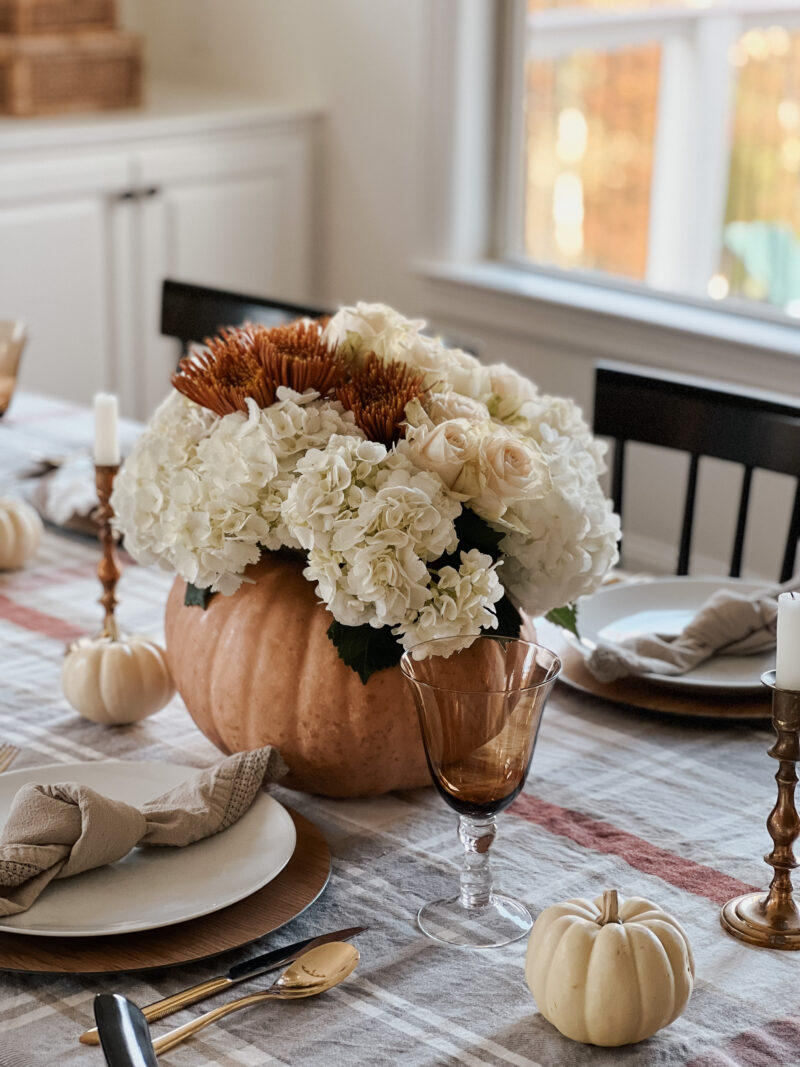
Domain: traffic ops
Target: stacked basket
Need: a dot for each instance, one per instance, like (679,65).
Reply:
(66,55)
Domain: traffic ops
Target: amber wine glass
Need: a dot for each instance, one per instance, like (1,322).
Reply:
(479,712)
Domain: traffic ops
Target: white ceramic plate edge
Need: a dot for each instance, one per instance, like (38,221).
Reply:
(684,682)
(264,800)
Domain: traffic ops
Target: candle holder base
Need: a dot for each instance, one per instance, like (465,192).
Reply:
(746,917)
(772,919)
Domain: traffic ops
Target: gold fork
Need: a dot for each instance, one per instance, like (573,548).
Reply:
(8,753)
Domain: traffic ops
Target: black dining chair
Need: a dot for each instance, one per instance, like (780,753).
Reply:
(703,419)
(193,312)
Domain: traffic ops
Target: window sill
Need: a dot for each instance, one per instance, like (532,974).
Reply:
(606,322)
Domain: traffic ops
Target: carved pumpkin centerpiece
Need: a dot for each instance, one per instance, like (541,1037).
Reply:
(331,493)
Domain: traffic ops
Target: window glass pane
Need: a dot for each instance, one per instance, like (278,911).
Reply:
(662,145)
(590,131)
(760,258)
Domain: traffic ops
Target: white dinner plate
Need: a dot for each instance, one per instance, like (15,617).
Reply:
(665,606)
(151,887)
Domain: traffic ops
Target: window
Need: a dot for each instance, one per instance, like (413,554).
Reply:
(659,143)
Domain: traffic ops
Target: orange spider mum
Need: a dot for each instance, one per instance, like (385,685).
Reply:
(295,355)
(225,374)
(377,395)
(253,361)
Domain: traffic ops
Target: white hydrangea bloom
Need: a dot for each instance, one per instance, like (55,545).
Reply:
(460,605)
(384,331)
(370,521)
(571,533)
(202,495)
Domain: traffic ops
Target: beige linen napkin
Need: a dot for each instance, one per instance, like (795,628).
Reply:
(54,831)
(728,624)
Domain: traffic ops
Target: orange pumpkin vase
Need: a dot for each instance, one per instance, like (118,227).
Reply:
(258,668)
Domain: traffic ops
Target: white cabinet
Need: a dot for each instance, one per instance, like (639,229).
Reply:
(88,234)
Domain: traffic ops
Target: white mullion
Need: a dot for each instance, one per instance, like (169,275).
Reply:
(691,157)
(510,182)
(673,167)
(715,83)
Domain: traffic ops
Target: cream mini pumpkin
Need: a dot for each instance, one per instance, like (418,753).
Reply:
(609,972)
(20,533)
(116,680)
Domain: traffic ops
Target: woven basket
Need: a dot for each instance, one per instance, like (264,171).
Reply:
(46,75)
(56,16)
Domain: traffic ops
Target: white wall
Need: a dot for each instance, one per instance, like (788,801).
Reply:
(364,61)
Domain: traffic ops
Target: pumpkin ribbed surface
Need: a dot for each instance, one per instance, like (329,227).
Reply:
(612,984)
(258,668)
(20,533)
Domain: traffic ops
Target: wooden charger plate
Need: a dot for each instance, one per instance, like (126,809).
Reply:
(285,897)
(635,693)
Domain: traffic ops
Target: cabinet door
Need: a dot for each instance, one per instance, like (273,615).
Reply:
(54,275)
(229,213)
(238,210)
(55,226)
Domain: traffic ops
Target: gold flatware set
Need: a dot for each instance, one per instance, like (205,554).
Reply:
(125,1036)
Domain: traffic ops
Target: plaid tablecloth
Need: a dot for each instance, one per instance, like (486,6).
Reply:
(658,807)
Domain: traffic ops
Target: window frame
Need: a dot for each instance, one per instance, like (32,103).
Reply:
(473,283)
(692,146)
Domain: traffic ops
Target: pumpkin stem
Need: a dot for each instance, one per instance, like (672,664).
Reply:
(110,628)
(610,910)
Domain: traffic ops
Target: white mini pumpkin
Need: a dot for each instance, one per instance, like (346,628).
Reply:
(609,973)
(20,533)
(116,680)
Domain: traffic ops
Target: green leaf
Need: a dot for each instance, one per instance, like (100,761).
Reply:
(566,617)
(509,622)
(475,532)
(196,597)
(365,649)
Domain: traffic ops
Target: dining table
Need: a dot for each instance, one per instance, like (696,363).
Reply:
(659,806)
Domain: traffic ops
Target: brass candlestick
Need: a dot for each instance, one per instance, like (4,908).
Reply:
(107,569)
(772,920)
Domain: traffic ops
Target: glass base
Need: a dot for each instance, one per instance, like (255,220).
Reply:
(500,922)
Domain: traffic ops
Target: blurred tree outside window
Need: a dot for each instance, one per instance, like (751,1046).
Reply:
(662,144)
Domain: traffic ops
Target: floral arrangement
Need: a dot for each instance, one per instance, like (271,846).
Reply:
(430,496)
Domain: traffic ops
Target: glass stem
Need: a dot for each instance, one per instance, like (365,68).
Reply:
(476,836)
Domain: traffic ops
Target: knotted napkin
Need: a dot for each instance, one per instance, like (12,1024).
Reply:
(55,831)
(729,623)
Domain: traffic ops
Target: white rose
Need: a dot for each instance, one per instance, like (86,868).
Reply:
(466,374)
(508,384)
(444,406)
(372,328)
(450,450)
(512,468)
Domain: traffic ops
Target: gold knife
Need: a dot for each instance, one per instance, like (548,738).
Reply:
(269,961)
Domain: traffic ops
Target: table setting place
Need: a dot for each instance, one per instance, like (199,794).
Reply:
(325,687)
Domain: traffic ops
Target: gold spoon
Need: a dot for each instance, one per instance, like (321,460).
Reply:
(314,972)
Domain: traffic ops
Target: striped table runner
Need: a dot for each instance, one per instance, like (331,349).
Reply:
(670,810)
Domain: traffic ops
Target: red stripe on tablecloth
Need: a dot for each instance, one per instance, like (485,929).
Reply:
(45,577)
(776,1043)
(644,856)
(37,621)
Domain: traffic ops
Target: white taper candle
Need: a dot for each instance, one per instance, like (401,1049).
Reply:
(106,430)
(787,666)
